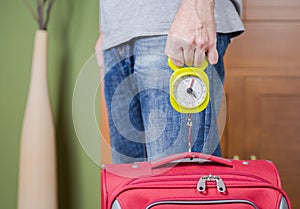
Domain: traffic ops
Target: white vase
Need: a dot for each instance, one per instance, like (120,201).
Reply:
(37,166)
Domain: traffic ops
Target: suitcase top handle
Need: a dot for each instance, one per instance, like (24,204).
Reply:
(191,157)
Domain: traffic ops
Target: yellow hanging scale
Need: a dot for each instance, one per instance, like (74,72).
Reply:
(189,88)
(189,91)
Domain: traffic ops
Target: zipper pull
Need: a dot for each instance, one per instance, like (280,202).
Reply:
(220,185)
(201,186)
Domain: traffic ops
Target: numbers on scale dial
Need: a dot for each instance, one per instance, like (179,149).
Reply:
(190,91)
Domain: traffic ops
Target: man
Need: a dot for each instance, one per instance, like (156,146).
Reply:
(137,37)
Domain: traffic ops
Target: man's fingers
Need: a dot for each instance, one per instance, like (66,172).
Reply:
(198,57)
(174,51)
(192,53)
(212,56)
(205,40)
(177,62)
(212,53)
(201,38)
(189,55)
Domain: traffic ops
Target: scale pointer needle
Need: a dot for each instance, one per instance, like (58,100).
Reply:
(190,89)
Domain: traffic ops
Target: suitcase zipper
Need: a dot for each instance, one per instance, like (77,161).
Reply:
(205,202)
(194,177)
(201,187)
(202,182)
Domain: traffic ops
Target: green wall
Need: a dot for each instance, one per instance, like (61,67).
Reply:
(73,31)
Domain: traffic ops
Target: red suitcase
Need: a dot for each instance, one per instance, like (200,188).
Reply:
(193,180)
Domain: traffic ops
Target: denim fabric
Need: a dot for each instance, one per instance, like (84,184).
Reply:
(143,124)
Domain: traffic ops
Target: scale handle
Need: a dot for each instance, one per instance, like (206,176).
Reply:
(174,67)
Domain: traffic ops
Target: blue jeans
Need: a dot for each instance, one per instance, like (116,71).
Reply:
(143,124)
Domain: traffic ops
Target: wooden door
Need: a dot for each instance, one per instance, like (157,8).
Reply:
(263,90)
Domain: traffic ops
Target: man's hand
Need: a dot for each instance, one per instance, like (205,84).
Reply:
(99,52)
(192,35)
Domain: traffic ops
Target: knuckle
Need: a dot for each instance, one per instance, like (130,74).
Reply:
(211,43)
(191,41)
(201,43)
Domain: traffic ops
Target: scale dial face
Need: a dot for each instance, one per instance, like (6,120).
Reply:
(189,91)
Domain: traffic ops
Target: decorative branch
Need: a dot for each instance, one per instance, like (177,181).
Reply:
(48,12)
(41,13)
